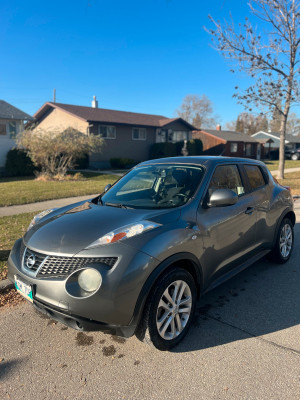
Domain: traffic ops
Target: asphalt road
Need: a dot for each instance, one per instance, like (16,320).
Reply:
(244,344)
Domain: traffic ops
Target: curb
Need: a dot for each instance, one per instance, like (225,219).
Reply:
(5,284)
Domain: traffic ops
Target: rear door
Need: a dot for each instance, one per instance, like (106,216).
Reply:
(261,192)
(228,232)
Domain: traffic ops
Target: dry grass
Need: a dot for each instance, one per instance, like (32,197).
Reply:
(28,190)
(273,164)
(293,181)
(11,229)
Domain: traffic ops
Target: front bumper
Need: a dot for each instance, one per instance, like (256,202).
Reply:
(84,324)
(113,308)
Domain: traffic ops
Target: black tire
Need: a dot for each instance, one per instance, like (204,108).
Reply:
(295,157)
(147,330)
(277,254)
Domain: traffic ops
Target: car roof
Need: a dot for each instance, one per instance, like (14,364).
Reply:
(207,161)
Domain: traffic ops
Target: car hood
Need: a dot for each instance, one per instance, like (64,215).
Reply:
(71,229)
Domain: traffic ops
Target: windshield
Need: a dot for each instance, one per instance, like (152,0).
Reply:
(155,186)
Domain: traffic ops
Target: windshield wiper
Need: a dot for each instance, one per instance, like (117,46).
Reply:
(118,205)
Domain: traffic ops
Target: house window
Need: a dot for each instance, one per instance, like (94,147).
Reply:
(107,131)
(3,129)
(12,128)
(161,135)
(139,134)
(233,148)
(177,136)
(180,135)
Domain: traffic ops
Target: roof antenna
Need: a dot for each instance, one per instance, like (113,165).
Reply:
(54,95)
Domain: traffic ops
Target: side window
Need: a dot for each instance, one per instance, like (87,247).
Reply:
(227,177)
(255,176)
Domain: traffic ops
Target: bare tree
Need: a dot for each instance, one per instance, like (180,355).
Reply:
(249,123)
(231,126)
(198,111)
(270,59)
(293,124)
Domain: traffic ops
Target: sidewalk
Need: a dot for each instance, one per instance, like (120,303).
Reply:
(286,171)
(42,205)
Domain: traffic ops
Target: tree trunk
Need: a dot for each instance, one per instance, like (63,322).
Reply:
(282,146)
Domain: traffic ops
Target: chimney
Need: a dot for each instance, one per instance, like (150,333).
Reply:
(219,128)
(94,102)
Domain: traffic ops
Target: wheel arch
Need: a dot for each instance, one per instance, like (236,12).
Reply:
(185,261)
(288,213)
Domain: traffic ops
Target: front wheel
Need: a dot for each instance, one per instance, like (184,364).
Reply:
(284,242)
(169,310)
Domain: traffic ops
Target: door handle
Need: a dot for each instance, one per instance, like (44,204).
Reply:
(249,210)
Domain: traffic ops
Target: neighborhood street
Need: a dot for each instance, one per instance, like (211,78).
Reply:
(244,344)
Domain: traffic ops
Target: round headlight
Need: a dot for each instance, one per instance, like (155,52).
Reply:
(89,280)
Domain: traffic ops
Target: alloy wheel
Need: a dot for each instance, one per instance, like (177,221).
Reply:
(286,240)
(174,310)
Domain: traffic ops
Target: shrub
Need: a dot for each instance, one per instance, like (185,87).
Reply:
(122,163)
(194,147)
(158,150)
(82,162)
(18,163)
(54,152)
(42,177)
(168,149)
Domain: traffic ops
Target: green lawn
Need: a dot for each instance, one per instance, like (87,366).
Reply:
(27,190)
(273,164)
(11,228)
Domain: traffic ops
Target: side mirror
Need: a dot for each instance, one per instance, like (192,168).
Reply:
(107,187)
(222,198)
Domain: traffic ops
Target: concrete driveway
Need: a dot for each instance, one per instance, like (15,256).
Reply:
(244,344)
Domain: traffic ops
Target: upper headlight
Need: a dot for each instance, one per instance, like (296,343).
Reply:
(39,216)
(124,233)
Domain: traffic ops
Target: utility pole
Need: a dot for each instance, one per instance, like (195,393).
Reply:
(54,95)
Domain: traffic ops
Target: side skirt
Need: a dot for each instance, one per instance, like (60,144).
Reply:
(237,270)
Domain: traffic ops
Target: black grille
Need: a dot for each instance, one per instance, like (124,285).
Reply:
(55,266)
(35,258)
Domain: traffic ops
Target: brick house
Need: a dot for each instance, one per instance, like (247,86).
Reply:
(12,122)
(125,134)
(229,143)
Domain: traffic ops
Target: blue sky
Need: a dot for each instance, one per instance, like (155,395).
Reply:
(140,56)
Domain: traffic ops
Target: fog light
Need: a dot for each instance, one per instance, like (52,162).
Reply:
(89,280)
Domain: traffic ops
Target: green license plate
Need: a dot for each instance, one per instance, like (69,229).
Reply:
(24,289)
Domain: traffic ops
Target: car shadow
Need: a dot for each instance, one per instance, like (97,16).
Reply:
(261,300)
(8,367)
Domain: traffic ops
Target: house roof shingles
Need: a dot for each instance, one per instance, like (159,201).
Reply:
(7,111)
(231,136)
(103,115)
(289,138)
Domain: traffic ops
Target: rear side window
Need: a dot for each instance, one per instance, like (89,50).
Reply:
(227,177)
(255,176)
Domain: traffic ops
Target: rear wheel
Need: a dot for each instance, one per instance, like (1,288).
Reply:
(284,242)
(295,157)
(169,310)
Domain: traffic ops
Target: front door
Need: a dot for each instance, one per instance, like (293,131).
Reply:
(228,232)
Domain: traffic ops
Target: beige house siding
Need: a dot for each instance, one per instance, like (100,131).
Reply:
(59,120)
(123,146)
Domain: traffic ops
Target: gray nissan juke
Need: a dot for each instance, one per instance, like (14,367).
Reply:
(135,259)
